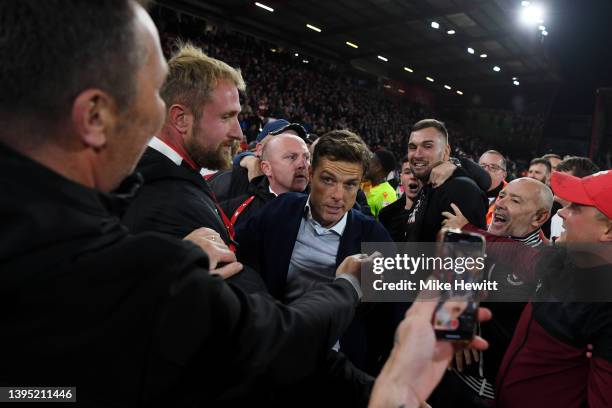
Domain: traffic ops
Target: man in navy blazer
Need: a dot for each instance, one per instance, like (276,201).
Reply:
(267,241)
(297,240)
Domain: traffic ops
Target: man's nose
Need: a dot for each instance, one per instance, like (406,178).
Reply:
(303,162)
(337,191)
(235,131)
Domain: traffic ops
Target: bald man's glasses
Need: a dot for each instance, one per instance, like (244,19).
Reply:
(492,167)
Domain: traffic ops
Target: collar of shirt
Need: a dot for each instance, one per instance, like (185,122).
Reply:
(338,228)
(166,150)
(205,172)
(276,195)
(533,239)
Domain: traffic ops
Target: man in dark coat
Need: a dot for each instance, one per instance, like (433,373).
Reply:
(130,320)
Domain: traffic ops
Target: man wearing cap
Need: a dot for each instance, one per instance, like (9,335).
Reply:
(285,161)
(546,364)
(380,194)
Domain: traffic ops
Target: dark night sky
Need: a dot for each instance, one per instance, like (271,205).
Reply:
(581,41)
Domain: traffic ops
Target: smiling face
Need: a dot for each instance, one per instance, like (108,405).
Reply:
(519,209)
(411,184)
(583,224)
(426,148)
(333,189)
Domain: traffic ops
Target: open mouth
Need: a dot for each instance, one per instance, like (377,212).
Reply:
(413,187)
(419,165)
(333,210)
(499,219)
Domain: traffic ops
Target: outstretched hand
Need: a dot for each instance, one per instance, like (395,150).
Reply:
(418,361)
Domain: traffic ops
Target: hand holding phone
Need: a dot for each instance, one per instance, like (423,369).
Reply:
(455,317)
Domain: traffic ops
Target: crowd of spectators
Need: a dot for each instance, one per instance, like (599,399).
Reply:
(324,96)
(131,271)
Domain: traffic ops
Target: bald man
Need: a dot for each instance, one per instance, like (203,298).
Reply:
(285,161)
(521,209)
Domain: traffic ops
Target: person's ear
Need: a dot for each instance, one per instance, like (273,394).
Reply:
(540,217)
(447,152)
(266,168)
(94,114)
(180,118)
(607,235)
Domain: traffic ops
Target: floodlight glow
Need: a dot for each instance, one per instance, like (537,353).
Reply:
(408,69)
(459,93)
(545,33)
(514,78)
(496,68)
(429,79)
(305,61)
(387,86)
(263,6)
(296,54)
(435,25)
(470,50)
(532,15)
(483,55)
(350,44)
(448,87)
(450,32)
(317,29)
(542,28)
(400,91)
(525,3)
(380,57)
(517,83)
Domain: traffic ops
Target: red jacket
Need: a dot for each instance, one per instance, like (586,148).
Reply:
(546,364)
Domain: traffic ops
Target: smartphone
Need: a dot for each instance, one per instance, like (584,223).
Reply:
(455,318)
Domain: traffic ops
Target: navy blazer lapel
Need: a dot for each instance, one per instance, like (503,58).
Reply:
(350,239)
(285,217)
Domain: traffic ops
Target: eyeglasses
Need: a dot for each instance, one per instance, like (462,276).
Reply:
(492,167)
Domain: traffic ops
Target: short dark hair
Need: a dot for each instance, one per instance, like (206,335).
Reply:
(342,145)
(386,159)
(431,123)
(539,160)
(578,166)
(54,49)
(405,159)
